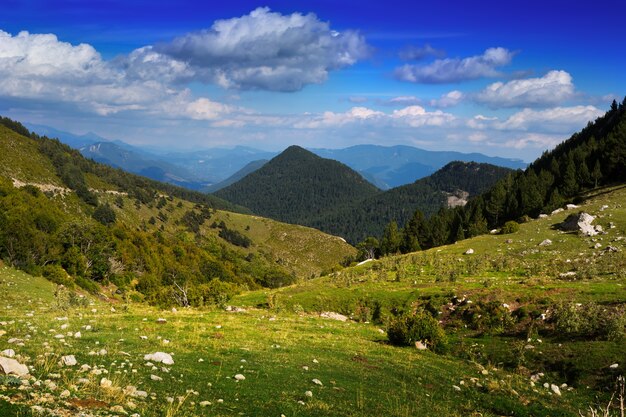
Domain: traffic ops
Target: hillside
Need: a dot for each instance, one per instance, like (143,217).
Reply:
(61,214)
(248,169)
(531,331)
(297,186)
(452,185)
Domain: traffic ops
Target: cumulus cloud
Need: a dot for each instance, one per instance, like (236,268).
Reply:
(417,53)
(332,119)
(551,89)
(266,50)
(449,99)
(453,70)
(41,68)
(417,116)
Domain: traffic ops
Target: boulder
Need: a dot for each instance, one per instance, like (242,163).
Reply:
(334,316)
(546,242)
(469,251)
(10,366)
(579,222)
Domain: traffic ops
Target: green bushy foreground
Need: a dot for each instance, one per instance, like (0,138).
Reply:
(515,315)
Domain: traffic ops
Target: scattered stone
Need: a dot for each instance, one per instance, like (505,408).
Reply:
(10,366)
(611,249)
(597,245)
(555,389)
(571,207)
(546,242)
(569,274)
(334,316)
(484,372)
(317,381)
(557,211)
(161,320)
(420,346)
(65,394)
(543,216)
(118,409)
(456,388)
(77,335)
(469,251)
(161,357)
(156,378)
(240,377)
(68,360)
(8,353)
(205,403)
(106,383)
(614,366)
(308,394)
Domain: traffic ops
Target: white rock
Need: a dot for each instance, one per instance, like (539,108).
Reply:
(77,335)
(64,394)
(555,389)
(156,378)
(308,394)
(469,251)
(161,357)
(546,242)
(571,207)
(240,377)
(106,383)
(420,346)
(205,403)
(8,353)
(614,366)
(68,360)
(456,388)
(317,381)
(333,315)
(10,366)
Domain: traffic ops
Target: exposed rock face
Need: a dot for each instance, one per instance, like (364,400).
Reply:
(10,366)
(334,316)
(579,222)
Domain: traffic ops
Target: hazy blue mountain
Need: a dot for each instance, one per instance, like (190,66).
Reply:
(116,156)
(392,166)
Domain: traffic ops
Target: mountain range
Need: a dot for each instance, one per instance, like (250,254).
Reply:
(384,166)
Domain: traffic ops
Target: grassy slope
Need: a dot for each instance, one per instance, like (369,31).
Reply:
(360,374)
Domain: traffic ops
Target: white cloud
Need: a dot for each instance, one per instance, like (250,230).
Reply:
(401,101)
(266,50)
(554,119)
(551,89)
(417,116)
(449,99)
(453,70)
(40,68)
(328,119)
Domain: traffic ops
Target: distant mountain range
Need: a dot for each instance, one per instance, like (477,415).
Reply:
(300,187)
(210,169)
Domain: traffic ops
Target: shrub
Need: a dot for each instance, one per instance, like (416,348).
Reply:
(510,227)
(277,279)
(104,214)
(589,321)
(57,274)
(215,292)
(491,317)
(408,329)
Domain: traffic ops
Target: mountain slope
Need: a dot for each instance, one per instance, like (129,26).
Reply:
(454,183)
(297,186)
(62,214)
(248,169)
(129,160)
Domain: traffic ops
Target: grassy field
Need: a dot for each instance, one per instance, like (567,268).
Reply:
(282,347)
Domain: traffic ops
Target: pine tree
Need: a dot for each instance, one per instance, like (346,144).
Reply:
(596,174)
(391,240)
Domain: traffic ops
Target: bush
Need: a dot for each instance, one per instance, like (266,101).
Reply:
(490,317)
(509,227)
(408,329)
(104,214)
(277,279)
(216,292)
(589,321)
(57,274)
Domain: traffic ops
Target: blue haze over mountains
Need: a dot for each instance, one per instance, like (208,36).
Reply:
(212,169)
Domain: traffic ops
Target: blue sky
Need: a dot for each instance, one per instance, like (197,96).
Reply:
(503,79)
